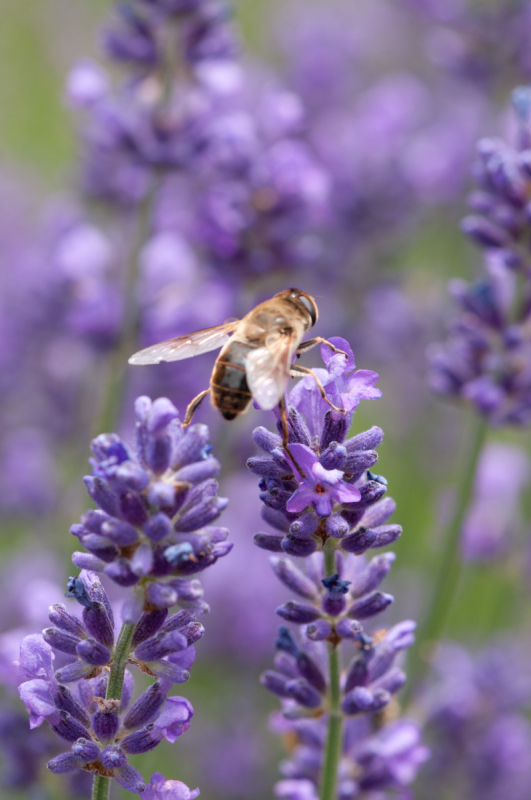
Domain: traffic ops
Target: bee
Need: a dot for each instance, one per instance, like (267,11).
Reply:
(256,356)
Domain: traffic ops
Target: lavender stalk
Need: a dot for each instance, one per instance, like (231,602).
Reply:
(152,534)
(450,565)
(328,509)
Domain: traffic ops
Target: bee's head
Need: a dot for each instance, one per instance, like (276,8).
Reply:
(304,302)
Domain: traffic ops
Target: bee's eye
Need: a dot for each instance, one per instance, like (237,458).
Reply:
(310,307)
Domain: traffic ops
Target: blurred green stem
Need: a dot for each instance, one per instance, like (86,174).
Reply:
(115,381)
(450,567)
(334,738)
(102,786)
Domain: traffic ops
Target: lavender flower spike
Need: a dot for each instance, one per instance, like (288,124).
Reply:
(332,674)
(157,505)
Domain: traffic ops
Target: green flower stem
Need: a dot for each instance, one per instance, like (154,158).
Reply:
(101,787)
(116,369)
(450,567)
(119,663)
(334,739)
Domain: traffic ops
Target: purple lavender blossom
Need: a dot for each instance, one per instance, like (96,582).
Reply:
(323,496)
(104,731)
(477,723)
(485,359)
(153,529)
(159,788)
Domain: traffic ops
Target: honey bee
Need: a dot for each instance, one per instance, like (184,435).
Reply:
(256,356)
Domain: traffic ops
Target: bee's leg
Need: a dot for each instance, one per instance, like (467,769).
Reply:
(193,406)
(318,340)
(285,435)
(305,371)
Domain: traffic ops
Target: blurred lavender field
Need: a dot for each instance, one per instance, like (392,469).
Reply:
(166,165)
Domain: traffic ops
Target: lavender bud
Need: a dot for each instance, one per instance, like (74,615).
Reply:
(336,526)
(129,779)
(358,700)
(373,574)
(392,681)
(142,741)
(191,446)
(105,725)
(300,613)
(268,541)
(148,625)
(484,232)
(121,573)
(59,616)
(368,606)
(161,645)
(380,661)
(162,494)
(177,621)
(386,535)
(277,519)
(146,708)
(311,672)
(93,652)
(301,691)
(201,515)
(65,701)
(335,429)
(356,674)
(193,632)
(87,561)
(161,596)
(121,533)
(70,729)
(359,541)
(379,513)
(63,763)
(358,461)
(131,476)
(158,454)
(74,672)
(99,546)
(334,457)
(298,547)
(98,624)
(85,750)
(100,491)
(304,526)
(266,440)
(274,682)
(319,630)
(61,640)
(349,629)
(293,578)
(368,440)
(297,428)
(142,560)
(133,510)
(158,527)
(113,757)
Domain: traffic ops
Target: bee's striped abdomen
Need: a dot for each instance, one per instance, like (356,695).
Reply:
(229,389)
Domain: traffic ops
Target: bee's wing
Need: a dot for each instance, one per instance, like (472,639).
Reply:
(186,346)
(267,370)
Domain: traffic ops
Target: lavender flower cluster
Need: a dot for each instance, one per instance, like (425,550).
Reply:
(153,529)
(485,360)
(103,731)
(322,495)
(151,533)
